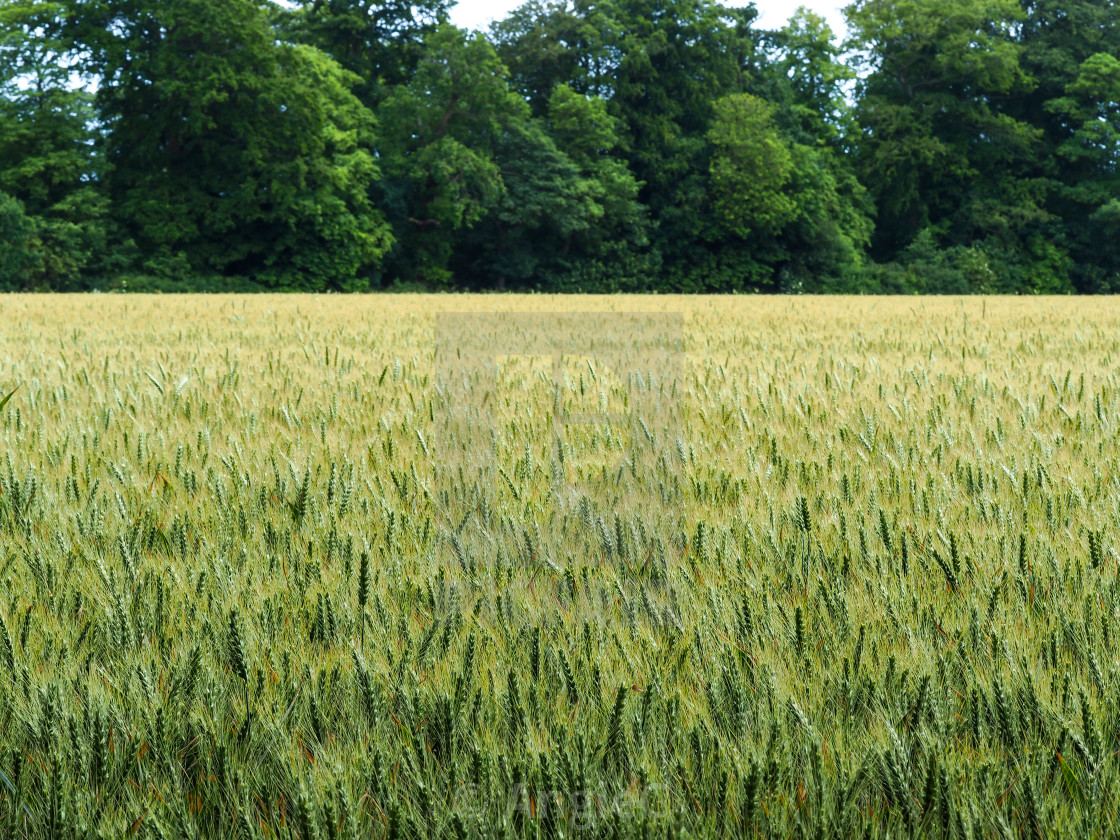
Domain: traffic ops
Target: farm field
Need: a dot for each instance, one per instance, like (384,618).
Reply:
(729,567)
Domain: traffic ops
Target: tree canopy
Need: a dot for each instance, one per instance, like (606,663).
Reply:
(349,145)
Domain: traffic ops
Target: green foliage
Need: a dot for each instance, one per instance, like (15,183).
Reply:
(934,146)
(379,42)
(443,133)
(808,76)
(1067,47)
(544,205)
(569,216)
(46,160)
(17,255)
(582,126)
(832,227)
(750,167)
(676,60)
(47,153)
(546,44)
(233,154)
(348,145)
(792,207)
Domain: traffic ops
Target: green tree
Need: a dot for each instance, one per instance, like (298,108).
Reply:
(230,153)
(738,186)
(615,251)
(442,134)
(543,205)
(750,168)
(380,42)
(793,214)
(548,43)
(660,65)
(937,147)
(807,59)
(804,81)
(678,57)
(48,160)
(827,241)
(1093,106)
(1070,50)
(569,217)
(18,257)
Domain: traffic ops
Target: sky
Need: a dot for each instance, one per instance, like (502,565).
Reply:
(477,14)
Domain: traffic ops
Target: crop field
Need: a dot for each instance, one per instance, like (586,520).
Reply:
(408,567)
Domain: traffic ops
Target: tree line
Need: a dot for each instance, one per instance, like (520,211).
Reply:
(947,146)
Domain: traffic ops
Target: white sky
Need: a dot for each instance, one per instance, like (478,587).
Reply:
(772,14)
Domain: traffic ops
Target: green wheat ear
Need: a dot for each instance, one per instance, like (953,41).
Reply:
(4,401)
(236,649)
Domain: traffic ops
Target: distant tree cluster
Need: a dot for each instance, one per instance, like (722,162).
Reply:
(617,145)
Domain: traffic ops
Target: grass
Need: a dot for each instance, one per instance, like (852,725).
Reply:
(287,567)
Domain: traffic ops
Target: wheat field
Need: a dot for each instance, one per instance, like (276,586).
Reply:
(395,567)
